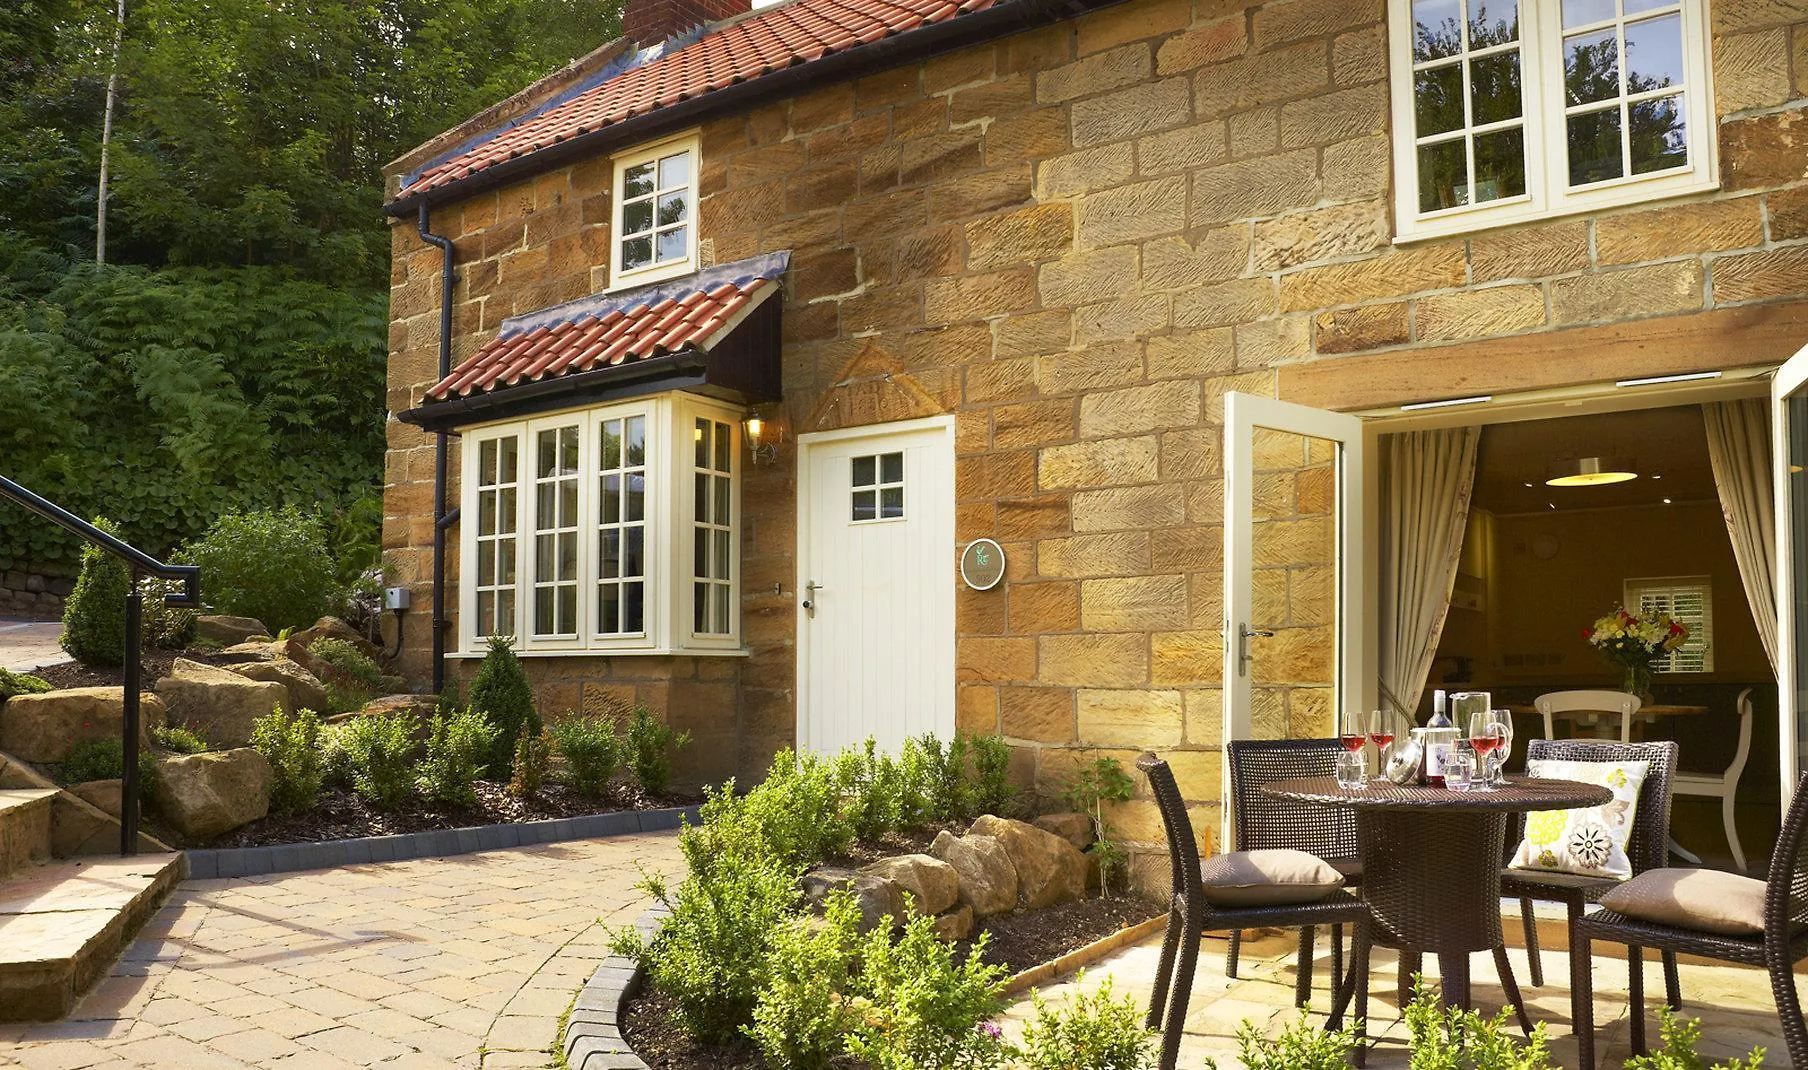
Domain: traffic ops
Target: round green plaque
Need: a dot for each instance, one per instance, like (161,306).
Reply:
(982,564)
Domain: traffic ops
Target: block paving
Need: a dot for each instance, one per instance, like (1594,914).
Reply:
(433,963)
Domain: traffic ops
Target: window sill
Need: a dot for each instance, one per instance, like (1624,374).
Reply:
(649,652)
(649,275)
(1479,223)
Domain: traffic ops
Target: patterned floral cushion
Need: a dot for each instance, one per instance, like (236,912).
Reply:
(1591,841)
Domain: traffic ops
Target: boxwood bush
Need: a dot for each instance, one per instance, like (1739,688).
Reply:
(272,565)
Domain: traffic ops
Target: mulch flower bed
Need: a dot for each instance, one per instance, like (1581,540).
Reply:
(1019,940)
(154,666)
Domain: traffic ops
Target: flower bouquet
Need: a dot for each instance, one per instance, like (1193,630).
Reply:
(1635,644)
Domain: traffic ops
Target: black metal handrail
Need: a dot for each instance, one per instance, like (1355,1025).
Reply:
(141,565)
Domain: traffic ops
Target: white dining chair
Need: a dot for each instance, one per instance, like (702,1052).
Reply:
(1724,786)
(1605,702)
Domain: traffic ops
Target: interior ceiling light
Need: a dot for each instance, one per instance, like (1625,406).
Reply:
(1589,472)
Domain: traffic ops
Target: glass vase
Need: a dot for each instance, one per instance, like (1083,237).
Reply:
(1638,681)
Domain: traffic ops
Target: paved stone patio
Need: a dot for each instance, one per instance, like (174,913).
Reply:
(1734,1004)
(26,646)
(466,961)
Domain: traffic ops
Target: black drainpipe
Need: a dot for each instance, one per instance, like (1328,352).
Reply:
(441,519)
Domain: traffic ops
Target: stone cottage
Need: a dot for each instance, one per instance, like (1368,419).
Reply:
(715,355)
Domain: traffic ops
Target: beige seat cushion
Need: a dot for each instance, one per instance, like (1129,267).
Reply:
(1706,900)
(1270,877)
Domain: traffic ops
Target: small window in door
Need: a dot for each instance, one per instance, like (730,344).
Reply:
(878,487)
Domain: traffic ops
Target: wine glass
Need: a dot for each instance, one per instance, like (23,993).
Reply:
(1504,752)
(1381,734)
(1484,736)
(1351,736)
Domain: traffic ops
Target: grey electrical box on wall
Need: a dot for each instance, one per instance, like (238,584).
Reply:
(395,598)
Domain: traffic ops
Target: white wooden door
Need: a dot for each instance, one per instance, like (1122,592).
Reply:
(1789,466)
(1294,514)
(875,583)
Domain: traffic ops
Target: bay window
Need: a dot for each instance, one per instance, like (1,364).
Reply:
(1510,110)
(624,520)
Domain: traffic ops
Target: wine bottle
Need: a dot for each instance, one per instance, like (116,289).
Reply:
(1440,733)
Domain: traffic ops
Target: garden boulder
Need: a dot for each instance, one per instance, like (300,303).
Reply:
(205,795)
(218,704)
(988,880)
(306,692)
(956,924)
(47,727)
(103,795)
(932,884)
(1072,827)
(877,897)
(228,630)
(332,628)
(1049,869)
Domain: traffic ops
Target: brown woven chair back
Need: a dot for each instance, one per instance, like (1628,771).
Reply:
(1786,897)
(1183,848)
(1649,845)
(1262,821)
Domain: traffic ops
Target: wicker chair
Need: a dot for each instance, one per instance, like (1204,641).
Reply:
(1263,821)
(1189,916)
(1784,943)
(1646,849)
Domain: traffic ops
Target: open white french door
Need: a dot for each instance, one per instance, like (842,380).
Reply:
(1298,647)
(1789,461)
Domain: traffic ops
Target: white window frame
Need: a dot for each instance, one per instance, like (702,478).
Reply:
(1632,590)
(1548,194)
(670,468)
(620,279)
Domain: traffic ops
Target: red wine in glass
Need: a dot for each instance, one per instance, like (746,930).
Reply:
(1352,743)
(1484,744)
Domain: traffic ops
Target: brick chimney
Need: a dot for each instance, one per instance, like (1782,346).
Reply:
(648,22)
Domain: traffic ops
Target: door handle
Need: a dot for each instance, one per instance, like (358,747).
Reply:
(810,590)
(1244,634)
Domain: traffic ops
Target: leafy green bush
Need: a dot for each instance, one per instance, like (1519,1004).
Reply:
(381,750)
(913,798)
(650,748)
(532,754)
(802,1014)
(872,787)
(1451,1038)
(920,1006)
(1093,1031)
(456,747)
(291,744)
(336,767)
(944,778)
(178,740)
(272,565)
(502,693)
(795,814)
(992,790)
(1680,1036)
(1103,779)
(592,750)
(105,759)
(19,683)
(352,677)
(94,614)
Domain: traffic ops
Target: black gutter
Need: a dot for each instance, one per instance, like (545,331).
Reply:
(440,522)
(1004,17)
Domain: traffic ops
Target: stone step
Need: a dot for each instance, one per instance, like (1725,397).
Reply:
(63,924)
(24,827)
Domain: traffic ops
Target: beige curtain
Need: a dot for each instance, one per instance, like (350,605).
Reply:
(1426,481)
(1739,450)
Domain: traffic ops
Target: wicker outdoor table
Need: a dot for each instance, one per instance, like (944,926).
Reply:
(1431,862)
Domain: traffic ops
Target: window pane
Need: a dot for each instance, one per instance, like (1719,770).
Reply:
(543,512)
(611,499)
(568,556)
(720,603)
(505,610)
(634,556)
(1437,30)
(1443,176)
(506,554)
(675,170)
(486,512)
(506,510)
(891,468)
(634,608)
(608,558)
(568,609)
(486,612)
(486,463)
(1591,67)
(548,460)
(723,441)
(608,608)
(864,508)
(486,565)
(1654,54)
(1586,12)
(1438,99)
(568,503)
(543,624)
(637,496)
(543,558)
(568,449)
(611,444)
(700,502)
(700,552)
(722,489)
(700,435)
(637,181)
(1494,85)
(720,570)
(1659,136)
(510,459)
(672,208)
(673,243)
(1633,7)
(1496,25)
(1500,164)
(636,435)
(637,217)
(700,607)
(863,471)
(1594,146)
(891,502)
(636,252)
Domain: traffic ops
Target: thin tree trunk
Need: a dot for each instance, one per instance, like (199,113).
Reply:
(106,138)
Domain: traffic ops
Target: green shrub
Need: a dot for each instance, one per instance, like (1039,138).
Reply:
(165,625)
(802,1014)
(944,778)
(920,1006)
(1451,1038)
(456,747)
(1680,1036)
(105,759)
(352,676)
(1093,1031)
(713,953)
(872,787)
(913,774)
(650,748)
(592,750)
(381,750)
(291,744)
(532,754)
(502,693)
(19,683)
(992,789)
(1103,779)
(178,740)
(272,565)
(335,757)
(795,815)
(94,614)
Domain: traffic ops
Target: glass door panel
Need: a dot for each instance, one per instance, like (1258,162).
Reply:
(1789,432)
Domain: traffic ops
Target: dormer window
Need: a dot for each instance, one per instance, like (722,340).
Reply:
(655,213)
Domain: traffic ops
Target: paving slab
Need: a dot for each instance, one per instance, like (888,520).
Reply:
(27,646)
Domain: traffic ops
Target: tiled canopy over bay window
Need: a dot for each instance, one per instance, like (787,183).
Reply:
(1508,110)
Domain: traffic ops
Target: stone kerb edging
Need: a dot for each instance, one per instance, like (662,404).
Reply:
(290,857)
(593,1038)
